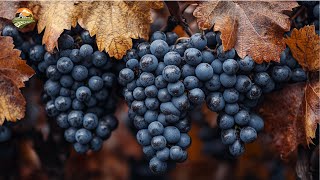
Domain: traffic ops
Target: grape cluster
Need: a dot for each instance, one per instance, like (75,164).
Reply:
(159,99)
(78,90)
(164,81)
(236,86)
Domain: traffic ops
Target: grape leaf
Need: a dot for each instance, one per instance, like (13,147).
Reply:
(114,23)
(54,17)
(13,72)
(252,28)
(305,47)
(291,115)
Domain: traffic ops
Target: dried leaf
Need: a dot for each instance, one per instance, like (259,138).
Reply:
(305,47)
(13,72)
(291,115)
(252,28)
(114,23)
(54,17)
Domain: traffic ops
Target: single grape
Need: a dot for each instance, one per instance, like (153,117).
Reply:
(228,80)
(225,121)
(70,135)
(207,57)
(163,154)
(96,143)
(75,118)
(144,138)
(299,75)
(85,50)
(155,128)
(193,56)
(99,59)
(83,93)
(157,166)
(176,89)
(102,130)
(231,95)
(95,83)
(65,41)
(211,39)
(150,116)
(187,70)
(237,148)
(256,122)
(83,136)
(90,121)
(171,134)
(228,136)
(191,82)
(242,117)
(254,92)
(248,134)
(232,109)
(80,148)
(198,41)
(158,142)
(79,73)
(215,101)
(148,63)
(246,64)
(159,48)
(196,96)
(158,35)
(230,66)
(171,73)
(214,83)
(143,49)
(62,103)
(204,71)
(147,79)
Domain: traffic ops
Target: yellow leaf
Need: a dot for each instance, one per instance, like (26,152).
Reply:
(305,47)
(114,23)
(54,17)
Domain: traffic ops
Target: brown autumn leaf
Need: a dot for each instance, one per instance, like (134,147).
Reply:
(305,47)
(13,72)
(291,115)
(252,28)
(114,23)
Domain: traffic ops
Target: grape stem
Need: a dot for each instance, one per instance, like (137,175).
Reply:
(176,17)
(179,39)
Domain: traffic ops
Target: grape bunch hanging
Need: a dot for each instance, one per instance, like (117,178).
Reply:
(163,81)
(79,85)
